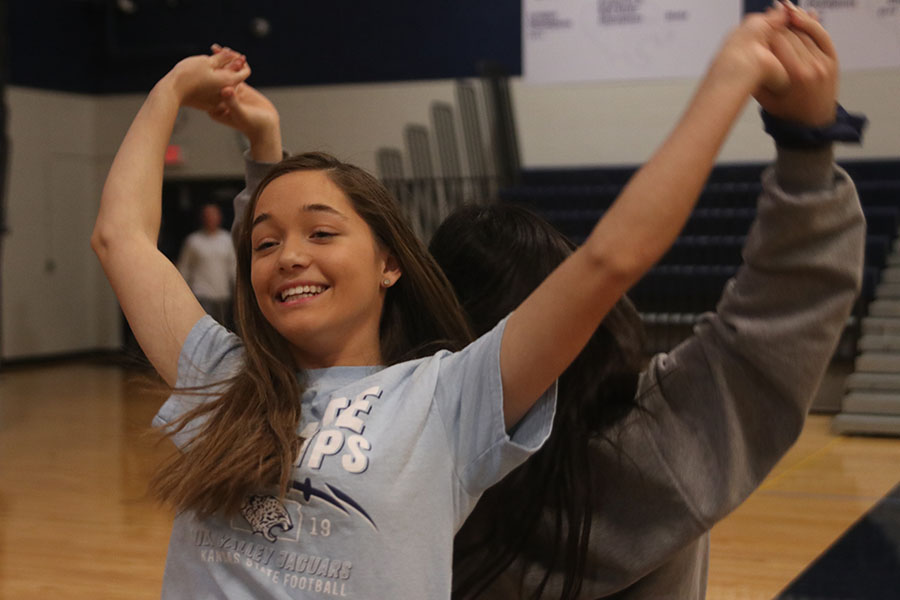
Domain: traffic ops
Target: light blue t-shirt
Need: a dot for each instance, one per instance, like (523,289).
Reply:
(395,460)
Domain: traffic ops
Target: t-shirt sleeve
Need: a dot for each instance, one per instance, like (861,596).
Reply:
(211,354)
(469,399)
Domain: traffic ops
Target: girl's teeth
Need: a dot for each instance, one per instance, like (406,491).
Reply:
(304,291)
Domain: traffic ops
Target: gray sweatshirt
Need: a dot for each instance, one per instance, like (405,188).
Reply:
(725,405)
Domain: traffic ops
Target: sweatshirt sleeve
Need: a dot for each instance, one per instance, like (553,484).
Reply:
(254,172)
(733,398)
(723,407)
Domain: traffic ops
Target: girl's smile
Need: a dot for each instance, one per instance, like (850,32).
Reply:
(298,293)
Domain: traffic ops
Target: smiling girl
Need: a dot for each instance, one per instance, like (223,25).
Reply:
(335,445)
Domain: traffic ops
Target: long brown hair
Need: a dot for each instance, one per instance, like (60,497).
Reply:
(495,256)
(247,439)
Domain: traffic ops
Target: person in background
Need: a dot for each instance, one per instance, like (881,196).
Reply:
(207,262)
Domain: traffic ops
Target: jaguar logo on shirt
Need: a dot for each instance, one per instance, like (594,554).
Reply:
(264,513)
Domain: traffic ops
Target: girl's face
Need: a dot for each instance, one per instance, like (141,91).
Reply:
(317,271)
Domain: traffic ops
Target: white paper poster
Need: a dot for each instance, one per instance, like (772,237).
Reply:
(866,33)
(603,40)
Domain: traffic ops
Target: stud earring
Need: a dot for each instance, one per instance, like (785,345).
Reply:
(386,282)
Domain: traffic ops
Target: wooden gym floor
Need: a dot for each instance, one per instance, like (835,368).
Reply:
(75,521)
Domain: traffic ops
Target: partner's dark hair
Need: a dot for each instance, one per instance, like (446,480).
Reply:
(495,256)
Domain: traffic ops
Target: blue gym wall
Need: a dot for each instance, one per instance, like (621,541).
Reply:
(91,46)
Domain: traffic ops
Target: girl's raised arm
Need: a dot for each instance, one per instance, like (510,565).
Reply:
(157,302)
(552,325)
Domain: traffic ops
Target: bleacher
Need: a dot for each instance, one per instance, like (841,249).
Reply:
(690,277)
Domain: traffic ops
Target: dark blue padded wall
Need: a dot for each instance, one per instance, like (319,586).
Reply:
(93,46)
(55,45)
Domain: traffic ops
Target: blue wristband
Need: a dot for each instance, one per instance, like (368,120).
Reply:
(790,134)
